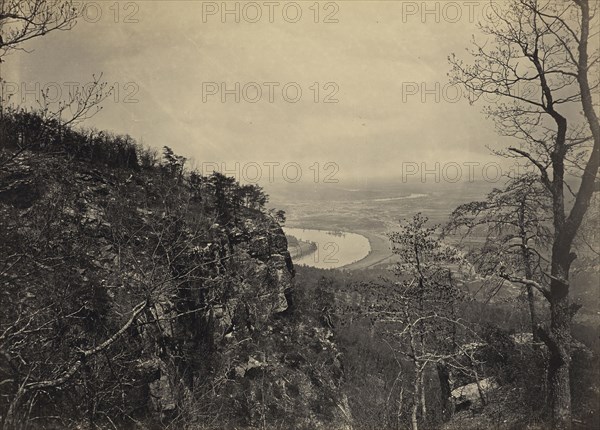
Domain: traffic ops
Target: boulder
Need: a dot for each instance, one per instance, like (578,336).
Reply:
(469,396)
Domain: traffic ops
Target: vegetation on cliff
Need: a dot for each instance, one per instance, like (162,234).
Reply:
(137,293)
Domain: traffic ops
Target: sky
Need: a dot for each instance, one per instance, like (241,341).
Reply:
(170,60)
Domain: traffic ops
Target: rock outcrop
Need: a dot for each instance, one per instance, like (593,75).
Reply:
(140,297)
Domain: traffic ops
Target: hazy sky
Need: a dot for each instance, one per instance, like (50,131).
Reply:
(375,54)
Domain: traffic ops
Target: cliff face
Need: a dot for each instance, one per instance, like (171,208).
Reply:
(139,296)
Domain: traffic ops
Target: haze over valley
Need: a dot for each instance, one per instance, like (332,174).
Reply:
(330,215)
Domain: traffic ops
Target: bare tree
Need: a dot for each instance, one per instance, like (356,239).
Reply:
(23,20)
(77,307)
(421,312)
(539,61)
(515,224)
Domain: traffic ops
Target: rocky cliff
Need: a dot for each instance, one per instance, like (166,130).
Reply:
(136,294)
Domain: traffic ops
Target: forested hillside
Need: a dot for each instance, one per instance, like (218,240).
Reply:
(139,294)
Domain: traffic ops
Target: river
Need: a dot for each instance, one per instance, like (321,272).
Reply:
(333,249)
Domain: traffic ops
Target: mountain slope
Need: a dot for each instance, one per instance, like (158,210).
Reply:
(136,294)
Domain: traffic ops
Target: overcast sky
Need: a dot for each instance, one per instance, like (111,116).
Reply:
(376,53)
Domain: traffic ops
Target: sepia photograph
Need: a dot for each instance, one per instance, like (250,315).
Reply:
(299,215)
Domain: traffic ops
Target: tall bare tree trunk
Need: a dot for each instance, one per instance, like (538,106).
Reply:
(532,313)
(561,311)
(560,360)
(414,421)
(559,339)
(445,392)
(559,346)
(527,266)
(423,400)
(490,75)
